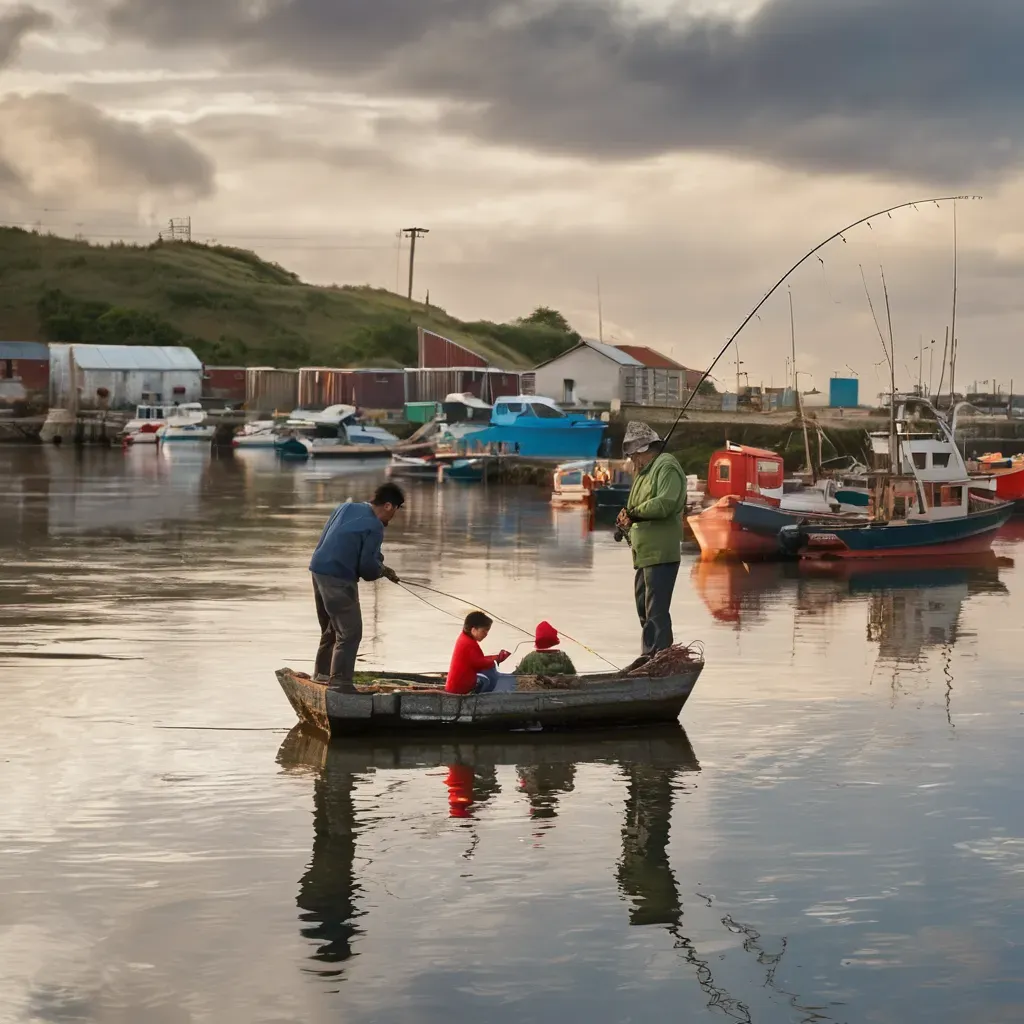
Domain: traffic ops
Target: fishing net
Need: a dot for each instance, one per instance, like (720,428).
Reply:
(669,662)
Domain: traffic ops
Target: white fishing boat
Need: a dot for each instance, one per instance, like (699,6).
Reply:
(338,420)
(186,422)
(257,434)
(149,419)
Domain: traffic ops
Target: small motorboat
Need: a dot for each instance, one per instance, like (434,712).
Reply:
(402,702)
(257,434)
(186,422)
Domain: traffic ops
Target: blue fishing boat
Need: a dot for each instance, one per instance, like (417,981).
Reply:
(921,502)
(536,427)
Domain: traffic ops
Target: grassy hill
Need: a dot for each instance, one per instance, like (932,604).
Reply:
(228,305)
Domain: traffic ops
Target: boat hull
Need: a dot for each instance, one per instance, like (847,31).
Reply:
(723,531)
(619,701)
(963,535)
(580,440)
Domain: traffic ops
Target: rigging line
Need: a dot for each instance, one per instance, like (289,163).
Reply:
(828,287)
(429,604)
(878,326)
(771,291)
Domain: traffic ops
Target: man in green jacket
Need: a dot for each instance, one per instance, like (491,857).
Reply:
(652,523)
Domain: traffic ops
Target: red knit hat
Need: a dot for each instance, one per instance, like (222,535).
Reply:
(545,637)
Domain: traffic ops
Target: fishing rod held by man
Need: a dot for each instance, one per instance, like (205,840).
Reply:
(652,524)
(349,550)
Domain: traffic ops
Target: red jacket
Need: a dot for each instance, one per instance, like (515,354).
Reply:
(467,660)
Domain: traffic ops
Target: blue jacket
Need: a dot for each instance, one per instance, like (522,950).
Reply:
(349,546)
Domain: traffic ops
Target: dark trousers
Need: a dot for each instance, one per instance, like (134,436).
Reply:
(653,588)
(341,628)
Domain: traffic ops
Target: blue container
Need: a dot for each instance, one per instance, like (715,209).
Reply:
(843,392)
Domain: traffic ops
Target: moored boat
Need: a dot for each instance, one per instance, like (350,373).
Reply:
(750,505)
(1005,474)
(257,434)
(404,702)
(536,427)
(186,422)
(922,503)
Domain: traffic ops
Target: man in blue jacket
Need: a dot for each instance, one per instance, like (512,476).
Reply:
(348,551)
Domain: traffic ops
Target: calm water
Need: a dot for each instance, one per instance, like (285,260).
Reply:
(838,835)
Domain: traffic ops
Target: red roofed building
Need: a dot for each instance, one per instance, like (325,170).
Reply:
(656,361)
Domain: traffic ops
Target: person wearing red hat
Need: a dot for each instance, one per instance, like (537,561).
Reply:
(545,637)
(472,671)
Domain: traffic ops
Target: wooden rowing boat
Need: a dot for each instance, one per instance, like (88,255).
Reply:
(418,702)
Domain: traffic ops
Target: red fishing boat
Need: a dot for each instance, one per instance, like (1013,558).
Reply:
(1007,474)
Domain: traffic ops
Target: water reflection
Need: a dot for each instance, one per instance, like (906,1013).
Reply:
(655,767)
(911,606)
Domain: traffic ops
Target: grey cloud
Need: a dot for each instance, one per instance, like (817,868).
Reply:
(17,24)
(923,89)
(53,139)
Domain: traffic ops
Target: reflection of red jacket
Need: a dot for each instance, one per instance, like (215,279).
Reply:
(467,660)
(460,790)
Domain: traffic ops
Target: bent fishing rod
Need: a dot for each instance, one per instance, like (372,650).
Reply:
(775,287)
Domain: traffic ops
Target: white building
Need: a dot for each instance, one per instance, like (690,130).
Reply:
(123,376)
(594,373)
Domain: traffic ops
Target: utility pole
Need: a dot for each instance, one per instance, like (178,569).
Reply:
(412,234)
(739,363)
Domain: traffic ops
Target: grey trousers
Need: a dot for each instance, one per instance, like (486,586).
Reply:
(653,588)
(341,628)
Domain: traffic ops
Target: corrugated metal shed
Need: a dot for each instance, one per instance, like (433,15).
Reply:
(122,376)
(24,350)
(136,357)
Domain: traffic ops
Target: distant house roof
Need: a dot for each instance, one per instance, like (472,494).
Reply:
(648,357)
(616,355)
(135,357)
(24,350)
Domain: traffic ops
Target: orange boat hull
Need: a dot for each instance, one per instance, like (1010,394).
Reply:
(719,536)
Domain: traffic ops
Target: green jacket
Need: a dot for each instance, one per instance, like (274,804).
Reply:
(658,497)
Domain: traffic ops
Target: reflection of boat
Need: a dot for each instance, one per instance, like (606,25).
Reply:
(439,466)
(729,589)
(602,699)
(536,427)
(655,765)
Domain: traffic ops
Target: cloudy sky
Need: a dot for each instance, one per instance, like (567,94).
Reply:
(684,153)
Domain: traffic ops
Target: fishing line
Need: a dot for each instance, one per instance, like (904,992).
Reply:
(497,618)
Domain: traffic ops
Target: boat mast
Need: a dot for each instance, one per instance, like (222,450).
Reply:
(952,330)
(895,462)
(796,390)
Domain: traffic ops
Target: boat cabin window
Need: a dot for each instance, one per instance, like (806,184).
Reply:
(546,412)
(940,460)
(769,473)
(723,469)
(512,407)
(899,507)
(920,460)
(573,478)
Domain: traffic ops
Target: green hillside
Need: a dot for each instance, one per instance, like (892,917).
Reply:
(230,306)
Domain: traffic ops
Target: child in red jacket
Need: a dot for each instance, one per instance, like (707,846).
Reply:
(471,670)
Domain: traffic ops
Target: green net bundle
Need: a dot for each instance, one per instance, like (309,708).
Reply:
(546,663)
